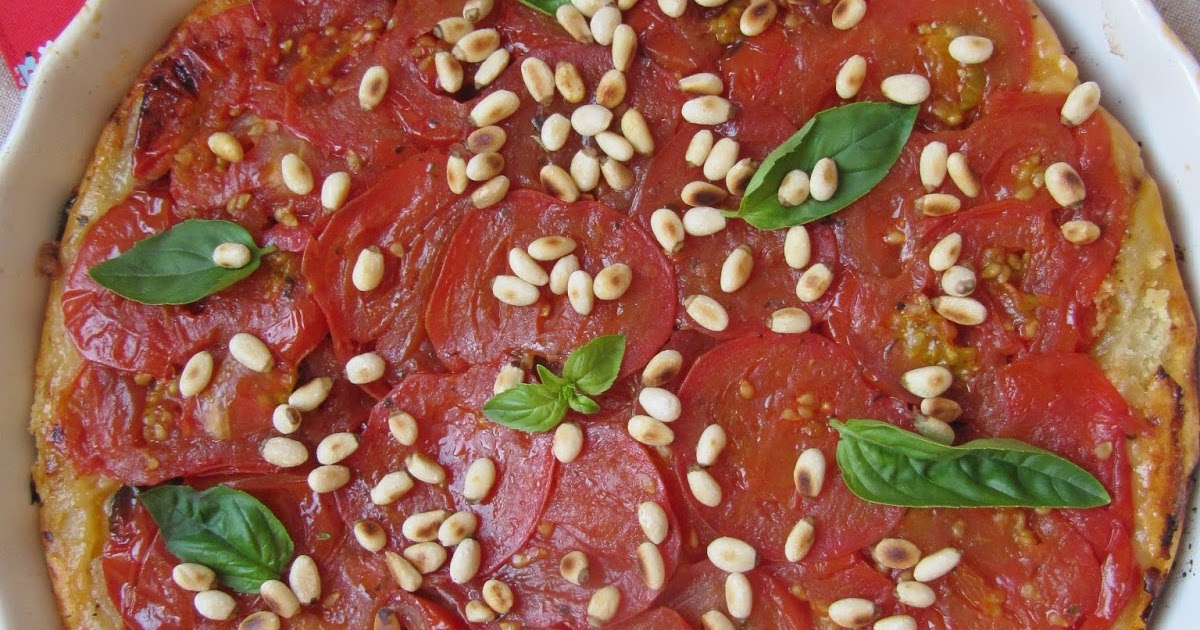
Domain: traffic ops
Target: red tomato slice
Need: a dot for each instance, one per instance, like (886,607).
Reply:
(551,328)
(700,588)
(774,394)
(454,432)
(656,619)
(822,583)
(410,216)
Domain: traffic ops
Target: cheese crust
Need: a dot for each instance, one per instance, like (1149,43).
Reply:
(1146,345)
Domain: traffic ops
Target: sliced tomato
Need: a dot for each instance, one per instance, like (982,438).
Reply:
(773,396)
(824,582)
(656,619)
(468,325)
(294,18)
(700,588)
(410,215)
(454,433)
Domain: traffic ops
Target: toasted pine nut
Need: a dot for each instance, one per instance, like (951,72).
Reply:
(614,146)
(704,83)
(368,269)
(494,108)
(484,166)
(739,597)
(426,557)
(824,180)
(285,419)
(937,204)
(374,85)
(934,429)
(196,375)
(334,191)
(906,89)
(736,270)
(456,174)
(896,553)
(590,120)
(406,575)
(650,560)
(960,310)
(475,46)
(814,283)
(391,488)
(757,17)
(449,72)
(487,139)
(943,409)
(706,312)
(659,403)
(589,7)
(403,427)
(568,442)
(649,431)
(799,540)
(732,555)
(945,253)
(585,169)
(426,469)
(703,487)
(305,580)
(937,564)
(296,174)
(723,156)
(851,76)
(1080,232)
(574,567)
(699,148)
(478,612)
(971,49)
(896,622)
(261,620)
(489,70)
(1065,185)
(809,472)
(852,612)
(933,165)
(611,89)
(848,13)
(452,29)
(574,23)
(637,132)
(794,188)
(336,447)
(703,221)
(231,255)
(456,528)
(215,605)
(604,24)
(476,10)
(962,175)
(712,441)
(365,368)
(498,596)
(251,352)
(663,367)
(569,82)
(653,520)
(526,268)
(958,281)
(707,110)
(552,247)
(490,193)
(715,620)
(479,480)
(927,382)
(1081,103)
(324,479)
(227,147)
(560,274)
(673,8)
(612,282)
(616,175)
(284,452)
(464,564)
(624,47)
(668,230)
(539,80)
(193,577)
(740,175)
(555,131)
(797,247)
(370,535)
(602,607)
(789,321)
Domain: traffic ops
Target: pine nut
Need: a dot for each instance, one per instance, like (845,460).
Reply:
(365,368)
(476,10)
(193,577)
(612,282)
(739,597)
(602,607)
(971,49)
(514,291)
(498,596)
(616,175)
(334,191)
(574,567)
(721,159)
(526,268)
(650,432)
(699,148)
(704,83)
(1064,185)
(814,283)
(425,557)
(370,535)
(539,80)
(896,622)
(789,321)
(196,375)
(449,72)
(797,247)
(757,17)
(456,528)
(490,193)
(452,29)
(809,472)
(933,165)
(251,352)
(286,419)
(456,174)
(706,312)
(423,468)
(424,526)
(650,560)
(958,281)
(712,441)
(368,269)
(848,13)
(703,487)
(490,69)
(915,594)
(215,605)
(560,274)
(732,555)
(568,442)
(614,146)
(604,24)
(933,429)
(403,427)
(653,520)
(336,447)
(1081,103)
(494,108)
(478,612)
(799,540)
(374,85)
(585,169)
(715,620)
(906,89)
(707,110)
(851,76)
(555,131)
(284,452)
(589,7)
(1080,232)
(611,89)
(484,166)
(736,270)
(824,180)
(464,564)
(590,120)
(896,553)
(673,8)
(569,83)
(574,23)
(945,253)
(406,575)
(227,147)
(960,310)
(296,174)
(702,194)
(937,204)
(942,409)
(660,404)
(325,479)
(487,139)
(668,230)
(580,293)
(927,382)
(663,367)
(794,189)
(852,612)
(740,175)
(479,480)
(391,488)
(961,174)
(261,620)
(475,46)
(624,47)
(703,221)
(305,580)
(280,598)
(637,131)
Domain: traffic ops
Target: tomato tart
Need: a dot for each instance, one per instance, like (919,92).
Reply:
(632,314)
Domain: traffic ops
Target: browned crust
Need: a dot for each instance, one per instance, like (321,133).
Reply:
(1147,339)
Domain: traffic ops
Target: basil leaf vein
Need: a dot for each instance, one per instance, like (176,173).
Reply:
(863,139)
(224,529)
(530,407)
(176,267)
(882,463)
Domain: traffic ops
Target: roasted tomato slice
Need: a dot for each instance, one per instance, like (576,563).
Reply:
(700,588)
(824,582)
(773,396)
(453,434)
(469,325)
(656,619)
(409,217)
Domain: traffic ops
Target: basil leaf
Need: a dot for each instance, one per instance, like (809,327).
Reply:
(583,404)
(224,529)
(548,377)
(864,139)
(549,7)
(885,464)
(530,407)
(176,267)
(595,365)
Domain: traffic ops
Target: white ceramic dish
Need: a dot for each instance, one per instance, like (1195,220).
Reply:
(1152,83)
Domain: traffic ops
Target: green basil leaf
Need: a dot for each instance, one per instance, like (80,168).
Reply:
(549,7)
(548,377)
(176,267)
(863,139)
(530,407)
(224,529)
(583,404)
(885,464)
(595,365)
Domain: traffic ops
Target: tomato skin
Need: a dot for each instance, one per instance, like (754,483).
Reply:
(656,619)
(700,588)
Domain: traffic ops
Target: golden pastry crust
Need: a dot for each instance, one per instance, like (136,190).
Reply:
(1146,344)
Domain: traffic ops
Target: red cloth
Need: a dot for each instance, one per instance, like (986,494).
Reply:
(26,26)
